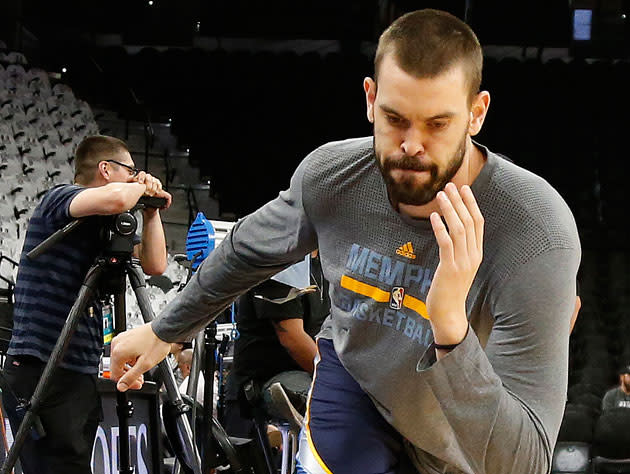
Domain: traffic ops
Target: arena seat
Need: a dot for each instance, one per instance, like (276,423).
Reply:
(611,437)
(590,400)
(578,423)
(602,465)
(577,389)
(15,70)
(15,57)
(571,457)
(39,131)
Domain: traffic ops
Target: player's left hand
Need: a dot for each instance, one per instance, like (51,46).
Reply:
(461,251)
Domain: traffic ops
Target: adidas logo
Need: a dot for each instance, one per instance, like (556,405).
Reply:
(406,251)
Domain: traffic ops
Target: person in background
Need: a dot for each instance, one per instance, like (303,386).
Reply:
(619,397)
(274,338)
(106,183)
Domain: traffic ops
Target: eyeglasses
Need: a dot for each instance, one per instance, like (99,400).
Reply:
(133,171)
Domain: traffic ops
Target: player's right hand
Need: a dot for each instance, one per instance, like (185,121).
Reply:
(134,352)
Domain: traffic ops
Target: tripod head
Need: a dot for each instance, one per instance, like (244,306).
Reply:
(118,230)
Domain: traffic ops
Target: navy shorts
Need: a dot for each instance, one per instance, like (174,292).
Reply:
(344,432)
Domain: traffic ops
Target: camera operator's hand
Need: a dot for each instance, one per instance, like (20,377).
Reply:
(161,194)
(153,188)
(153,184)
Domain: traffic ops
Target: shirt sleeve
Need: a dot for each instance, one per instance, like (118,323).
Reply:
(502,408)
(264,243)
(56,204)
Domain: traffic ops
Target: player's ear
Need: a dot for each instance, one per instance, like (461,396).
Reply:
(478,112)
(369,87)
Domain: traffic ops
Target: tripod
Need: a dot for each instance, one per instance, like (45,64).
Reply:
(216,447)
(107,275)
(207,348)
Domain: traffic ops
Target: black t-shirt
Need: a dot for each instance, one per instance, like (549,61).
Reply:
(615,398)
(258,353)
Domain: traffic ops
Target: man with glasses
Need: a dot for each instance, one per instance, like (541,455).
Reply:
(106,183)
(133,172)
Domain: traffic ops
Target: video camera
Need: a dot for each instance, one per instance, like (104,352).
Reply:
(118,230)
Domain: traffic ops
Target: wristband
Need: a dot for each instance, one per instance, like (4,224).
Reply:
(450,347)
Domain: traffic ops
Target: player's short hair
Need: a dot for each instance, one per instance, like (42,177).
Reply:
(427,43)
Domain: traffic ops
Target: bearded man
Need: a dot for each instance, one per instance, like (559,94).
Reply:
(452,277)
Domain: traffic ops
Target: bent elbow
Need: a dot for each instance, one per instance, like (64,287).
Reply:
(153,266)
(154,269)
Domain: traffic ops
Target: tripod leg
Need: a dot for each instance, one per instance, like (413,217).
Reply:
(124,408)
(85,296)
(209,363)
(195,367)
(193,382)
(172,390)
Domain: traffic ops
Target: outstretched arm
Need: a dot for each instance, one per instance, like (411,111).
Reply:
(264,243)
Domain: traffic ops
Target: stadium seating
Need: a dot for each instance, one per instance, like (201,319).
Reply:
(41,127)
(42,124)
(571,457)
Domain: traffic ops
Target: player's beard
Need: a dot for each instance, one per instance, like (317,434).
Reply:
(406,191)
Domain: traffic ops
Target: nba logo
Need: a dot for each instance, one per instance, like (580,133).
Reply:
(397,297)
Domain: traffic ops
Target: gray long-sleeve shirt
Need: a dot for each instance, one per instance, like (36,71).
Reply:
(494,404)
